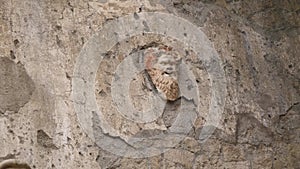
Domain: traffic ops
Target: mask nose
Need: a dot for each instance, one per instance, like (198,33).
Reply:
(169,69)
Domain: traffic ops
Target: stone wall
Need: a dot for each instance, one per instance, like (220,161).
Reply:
(256,41)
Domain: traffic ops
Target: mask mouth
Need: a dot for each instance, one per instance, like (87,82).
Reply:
(169,71)
(167,74)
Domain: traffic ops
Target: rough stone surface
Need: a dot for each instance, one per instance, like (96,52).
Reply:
(257,41)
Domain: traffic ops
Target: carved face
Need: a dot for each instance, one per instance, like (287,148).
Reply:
(163,60)
(166,63)
(161,65)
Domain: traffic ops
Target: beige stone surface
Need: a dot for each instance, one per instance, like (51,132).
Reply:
(258,44)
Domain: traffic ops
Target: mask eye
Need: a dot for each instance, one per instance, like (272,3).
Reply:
(163,63)
(171,63)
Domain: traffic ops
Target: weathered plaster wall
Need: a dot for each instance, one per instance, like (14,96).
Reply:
(257,41)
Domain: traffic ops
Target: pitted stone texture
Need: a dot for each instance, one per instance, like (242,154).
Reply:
(258,42)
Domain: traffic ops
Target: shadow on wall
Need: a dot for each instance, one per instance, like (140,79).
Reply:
(13,163)
(16,86)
